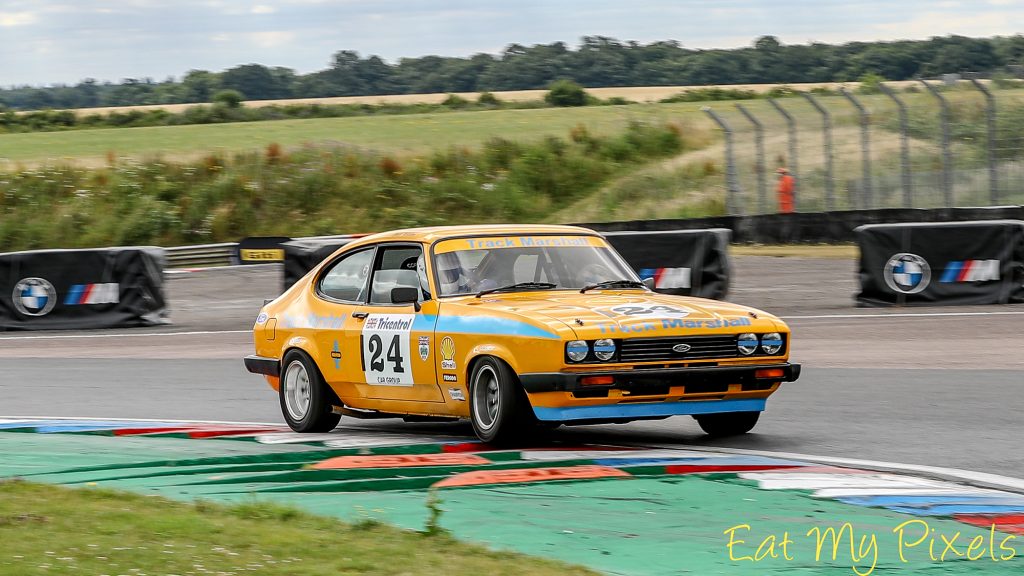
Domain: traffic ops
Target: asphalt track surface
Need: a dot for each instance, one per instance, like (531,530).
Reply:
(930,386)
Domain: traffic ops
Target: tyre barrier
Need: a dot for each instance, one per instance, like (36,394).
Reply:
(82,289)
(944,263)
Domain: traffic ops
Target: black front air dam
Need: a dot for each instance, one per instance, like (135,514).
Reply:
(570,381)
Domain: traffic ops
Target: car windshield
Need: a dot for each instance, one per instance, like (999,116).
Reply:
(473,265)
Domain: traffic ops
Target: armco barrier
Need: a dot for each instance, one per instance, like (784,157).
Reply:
(201,256)
(952,263)
(681,262)
(79,289)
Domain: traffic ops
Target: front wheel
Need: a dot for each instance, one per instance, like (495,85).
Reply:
(728,424)
(495,404)
(306,401)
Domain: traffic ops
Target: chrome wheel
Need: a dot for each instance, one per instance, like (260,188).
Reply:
(297,390)
(486,397)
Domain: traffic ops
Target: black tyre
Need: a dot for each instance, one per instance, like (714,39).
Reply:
(306,400)
(496,407)
(728,424)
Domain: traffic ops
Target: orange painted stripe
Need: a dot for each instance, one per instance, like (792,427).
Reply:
(400,461)
(520,475)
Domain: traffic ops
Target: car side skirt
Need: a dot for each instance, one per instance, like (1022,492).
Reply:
(649,410)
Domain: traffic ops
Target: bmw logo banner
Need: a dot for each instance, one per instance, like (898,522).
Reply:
(82,289)
(680,262)
(939,263)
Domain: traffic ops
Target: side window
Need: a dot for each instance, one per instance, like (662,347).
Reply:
(396,268)
(346,279)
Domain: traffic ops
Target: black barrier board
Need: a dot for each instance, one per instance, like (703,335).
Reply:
(681,262)
(941,263)
(260,250)
(82,289)
(301,256)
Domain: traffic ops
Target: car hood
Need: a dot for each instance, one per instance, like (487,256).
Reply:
(631,313)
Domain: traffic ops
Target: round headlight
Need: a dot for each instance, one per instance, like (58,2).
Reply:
(771,343)
(604,349)
(577,350)
(747,344)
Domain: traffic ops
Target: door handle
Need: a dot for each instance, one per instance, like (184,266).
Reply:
(360,315)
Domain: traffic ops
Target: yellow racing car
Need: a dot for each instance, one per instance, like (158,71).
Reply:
(516,328)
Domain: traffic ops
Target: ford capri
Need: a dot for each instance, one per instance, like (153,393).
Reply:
(516,328)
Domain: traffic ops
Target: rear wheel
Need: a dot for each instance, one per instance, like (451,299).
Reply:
(496,407)
(728,424)
(306,401)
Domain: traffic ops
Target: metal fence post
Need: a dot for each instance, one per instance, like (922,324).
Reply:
(762,186)
(732,183)
(990,114)
(947,155)
(826,127)
(865,146)
(908,197)
(791,128)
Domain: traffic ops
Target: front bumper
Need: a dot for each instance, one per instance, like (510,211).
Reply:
(643,377)
(263,365)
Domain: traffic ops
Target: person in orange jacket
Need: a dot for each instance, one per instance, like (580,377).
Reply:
(785,191)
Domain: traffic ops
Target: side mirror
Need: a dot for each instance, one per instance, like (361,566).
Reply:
(649,282)
(406,295)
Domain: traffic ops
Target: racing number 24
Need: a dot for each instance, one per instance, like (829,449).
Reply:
(394,355)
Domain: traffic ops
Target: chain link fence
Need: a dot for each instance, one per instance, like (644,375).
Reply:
(929,144)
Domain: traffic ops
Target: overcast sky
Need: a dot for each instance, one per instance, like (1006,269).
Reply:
(53,41)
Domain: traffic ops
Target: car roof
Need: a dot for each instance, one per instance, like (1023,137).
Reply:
(435,233)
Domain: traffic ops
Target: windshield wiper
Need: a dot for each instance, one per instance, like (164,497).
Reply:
(518,286)
(613,284)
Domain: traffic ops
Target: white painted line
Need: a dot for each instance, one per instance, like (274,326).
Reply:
(979,479)
(959,490)
(904,315)
(123,335)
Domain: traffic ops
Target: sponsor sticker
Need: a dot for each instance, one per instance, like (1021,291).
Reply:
(448,353)
(384,346)
(34,296)
(424,346)
(449,377)
(456,394)
(262,318)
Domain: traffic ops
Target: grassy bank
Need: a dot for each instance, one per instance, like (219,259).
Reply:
(53,530)
(320,190)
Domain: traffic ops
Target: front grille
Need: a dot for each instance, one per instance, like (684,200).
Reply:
(660,349)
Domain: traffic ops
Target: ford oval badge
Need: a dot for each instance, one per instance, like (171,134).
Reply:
(681,348)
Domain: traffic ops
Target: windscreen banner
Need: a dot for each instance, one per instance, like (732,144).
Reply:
(941,263)
(82,289)
(680,262)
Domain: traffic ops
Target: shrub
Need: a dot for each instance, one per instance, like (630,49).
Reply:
(488,99)
(455,101)
(566,93)
(229,98)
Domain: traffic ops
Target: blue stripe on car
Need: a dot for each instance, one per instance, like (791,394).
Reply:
(649,409)
(484,325)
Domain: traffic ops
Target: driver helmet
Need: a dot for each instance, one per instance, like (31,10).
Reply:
(421,271)
(451,275)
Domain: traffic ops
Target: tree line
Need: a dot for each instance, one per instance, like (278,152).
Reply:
(597,62)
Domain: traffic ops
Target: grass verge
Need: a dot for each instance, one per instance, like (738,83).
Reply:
(54,530)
